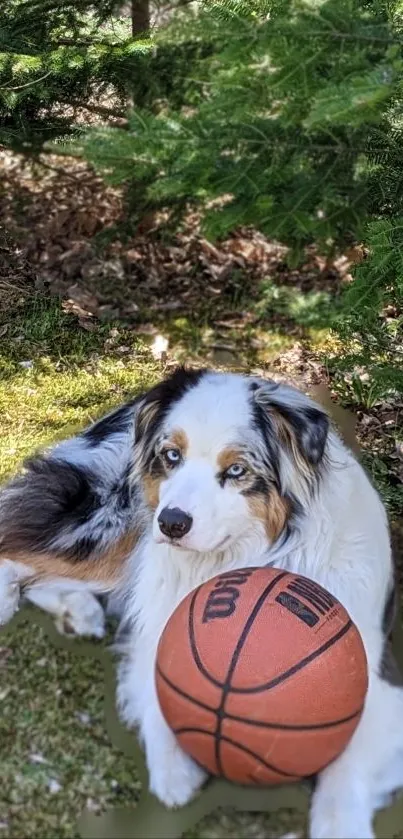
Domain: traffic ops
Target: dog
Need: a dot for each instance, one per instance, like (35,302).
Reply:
(208,472)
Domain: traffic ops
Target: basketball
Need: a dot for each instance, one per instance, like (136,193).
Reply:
(262,676)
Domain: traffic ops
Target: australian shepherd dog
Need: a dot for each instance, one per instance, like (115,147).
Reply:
(209,472)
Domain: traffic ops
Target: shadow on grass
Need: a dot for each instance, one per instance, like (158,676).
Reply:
(42,330)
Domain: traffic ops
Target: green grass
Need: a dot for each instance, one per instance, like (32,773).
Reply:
(55,754)
(56,377)
(308,309)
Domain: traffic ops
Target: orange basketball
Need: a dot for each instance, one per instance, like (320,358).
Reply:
(262,676)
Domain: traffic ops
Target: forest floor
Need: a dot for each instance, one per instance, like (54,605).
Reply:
(92,312)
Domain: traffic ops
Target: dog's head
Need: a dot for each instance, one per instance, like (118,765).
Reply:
(222,455)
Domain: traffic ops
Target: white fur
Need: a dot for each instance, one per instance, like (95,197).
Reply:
(75,609)
(11,576)
(341,541)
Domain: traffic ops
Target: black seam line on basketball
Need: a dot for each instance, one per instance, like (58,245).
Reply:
(195,653)
(234,661)
(257,723)
(183,693)
(301,664)
(280,727)
(240,746)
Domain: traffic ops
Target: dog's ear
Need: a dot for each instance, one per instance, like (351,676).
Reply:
(146,415)
(301,425)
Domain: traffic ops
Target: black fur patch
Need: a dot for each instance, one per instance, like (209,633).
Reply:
(295,507)
(82,549)
(115,423)
(125,490)
(157,467)
(34,507)
(264,425)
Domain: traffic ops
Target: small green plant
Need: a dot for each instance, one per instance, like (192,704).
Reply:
(311,308)
(366,393)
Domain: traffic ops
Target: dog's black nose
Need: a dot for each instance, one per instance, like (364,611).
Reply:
(174,522)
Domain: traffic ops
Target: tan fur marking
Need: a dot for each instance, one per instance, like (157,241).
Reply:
(106,569)
(151,487)
(179,440)
(273,511)
(229,456)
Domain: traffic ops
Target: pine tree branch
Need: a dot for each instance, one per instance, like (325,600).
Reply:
(356,36)
(28,84)
(49,5)
(84,42)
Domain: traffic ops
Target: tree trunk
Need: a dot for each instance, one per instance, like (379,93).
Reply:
(140,12)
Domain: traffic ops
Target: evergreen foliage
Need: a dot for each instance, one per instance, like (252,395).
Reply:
(60,56)
(52,60)
(282,114)
(292,122)
(292,118)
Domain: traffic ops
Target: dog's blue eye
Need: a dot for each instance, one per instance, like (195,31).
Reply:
(172,456)
(235,471)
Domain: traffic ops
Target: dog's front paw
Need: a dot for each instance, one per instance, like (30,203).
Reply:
(80,614)
(176,778)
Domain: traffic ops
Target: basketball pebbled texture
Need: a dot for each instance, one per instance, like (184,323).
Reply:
(262,676)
